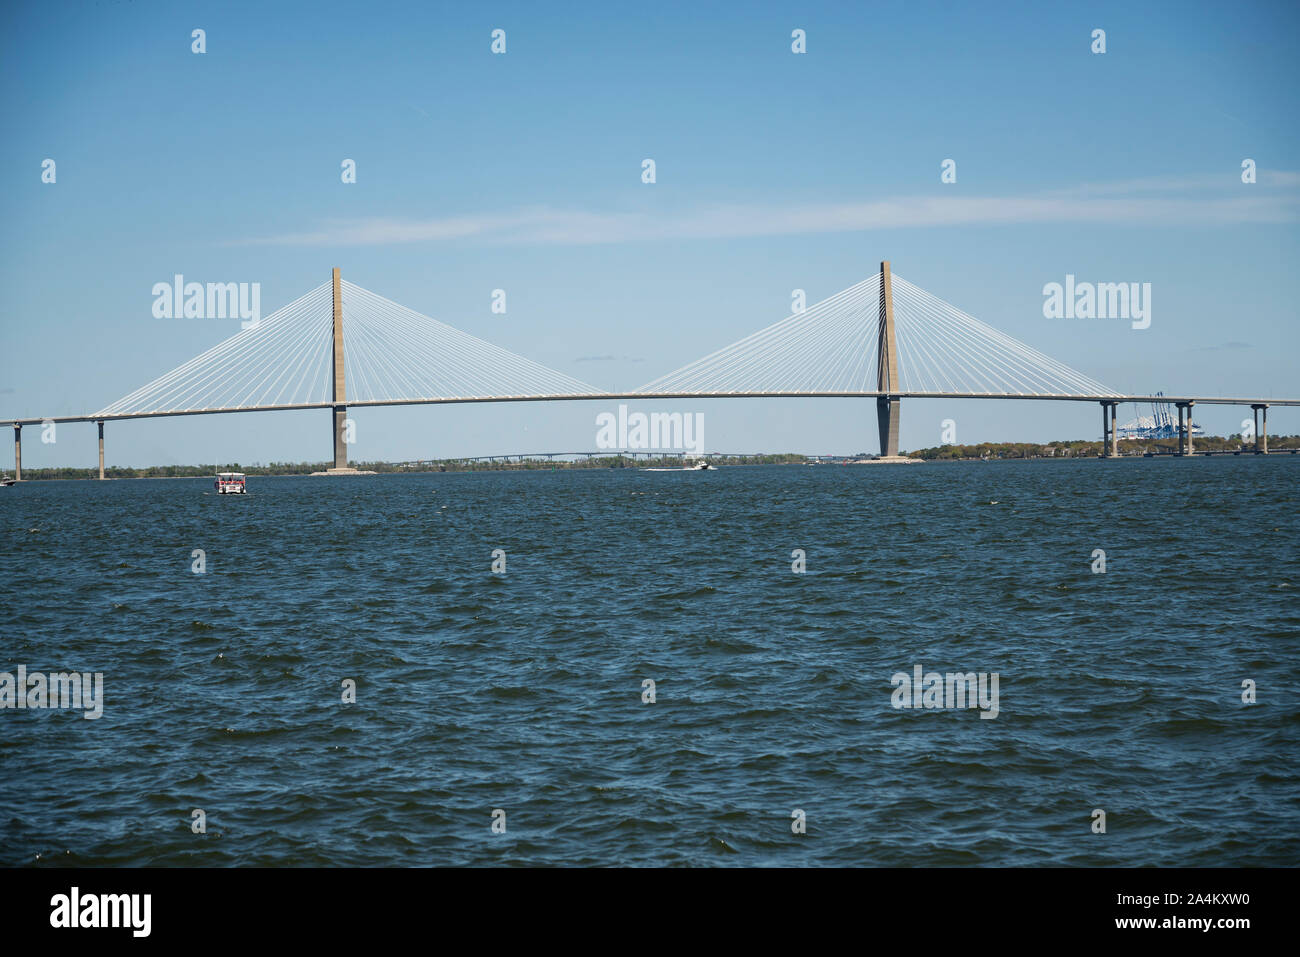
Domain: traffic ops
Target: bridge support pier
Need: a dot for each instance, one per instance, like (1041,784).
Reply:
(340,434)
(101,450)
(1185,429)
(888,414)
(1261,429)
(1109,431)
(18,452)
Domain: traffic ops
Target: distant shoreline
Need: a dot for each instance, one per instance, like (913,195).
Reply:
(985,451)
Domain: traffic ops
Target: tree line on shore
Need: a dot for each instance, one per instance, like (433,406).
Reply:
(1079,448)
(1083,448)
(513,464)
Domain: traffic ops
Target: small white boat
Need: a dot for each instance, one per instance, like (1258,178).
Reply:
(230,483)
(700,466)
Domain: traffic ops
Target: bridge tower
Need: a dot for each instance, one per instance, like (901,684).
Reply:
(339,396)
(887,406)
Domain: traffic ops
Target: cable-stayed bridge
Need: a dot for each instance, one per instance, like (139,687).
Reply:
(342,346)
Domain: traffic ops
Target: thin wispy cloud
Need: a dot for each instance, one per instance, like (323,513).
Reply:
(1157,201)
(1233,346)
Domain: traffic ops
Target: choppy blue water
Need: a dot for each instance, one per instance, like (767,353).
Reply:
(475,691)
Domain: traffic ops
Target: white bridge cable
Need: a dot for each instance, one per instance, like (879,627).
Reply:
(915,357)
(917,354)
(833,346)
(943,362)
(848,342)
(232,381)
(864,345)
(365,362)
(395,354)
(262,373)
(782,353)
(995,363)
(987,370)
(374,371)
(188,374)
(403,354)
(801,353)
(786,356)
(391,354)
(310,363)
(388,359)
(716,366)
(225,375)
(221,376)
(407,355)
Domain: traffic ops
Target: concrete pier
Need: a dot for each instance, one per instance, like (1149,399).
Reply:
(101,450)
(1261,429)
(340,435)
(18,452)
(888,413)
(1109,430)
(1185,428)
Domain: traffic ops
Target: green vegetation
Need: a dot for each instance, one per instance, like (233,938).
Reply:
(1075,449)
(502,463)
(173,471)
(1080,448)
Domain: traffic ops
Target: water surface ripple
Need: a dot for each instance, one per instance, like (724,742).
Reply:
(1119,691)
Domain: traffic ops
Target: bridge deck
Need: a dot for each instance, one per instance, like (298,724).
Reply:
(642,396)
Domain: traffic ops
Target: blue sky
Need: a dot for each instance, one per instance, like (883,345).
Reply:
(522,171)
